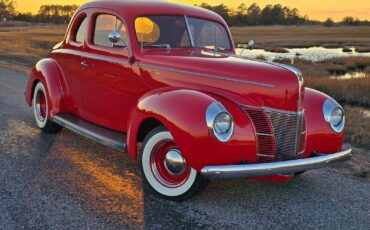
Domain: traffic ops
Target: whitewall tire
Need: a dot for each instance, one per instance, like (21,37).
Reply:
(165,170)
(40,105)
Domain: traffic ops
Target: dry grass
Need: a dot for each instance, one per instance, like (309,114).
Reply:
(357,126)
(302,36)
(19,24)
(26,45)
(334,66)
(350,92)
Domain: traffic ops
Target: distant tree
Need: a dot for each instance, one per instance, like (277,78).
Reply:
(26,17)
(278,15)
(329,22)
(221,9)
(56,13)
(293,17)
(266,15)
(240,18)
(7,9)
(254,14)
(351,21)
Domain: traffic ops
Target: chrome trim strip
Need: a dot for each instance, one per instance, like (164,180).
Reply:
(264,134)
(272,109)
(98,57)
(265,155)
(189,31)
(204,75)
(275,168)
(98,134)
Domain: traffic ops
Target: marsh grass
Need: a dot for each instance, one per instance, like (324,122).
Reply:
(357,126)
(354,92)
(330,67)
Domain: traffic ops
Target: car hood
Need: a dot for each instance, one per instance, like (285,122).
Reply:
(266,84)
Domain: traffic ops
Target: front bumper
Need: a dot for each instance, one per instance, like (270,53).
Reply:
(275,168)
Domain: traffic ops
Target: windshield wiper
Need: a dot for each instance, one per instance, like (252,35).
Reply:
(166,46)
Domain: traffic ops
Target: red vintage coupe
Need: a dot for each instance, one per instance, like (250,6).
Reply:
(167,76)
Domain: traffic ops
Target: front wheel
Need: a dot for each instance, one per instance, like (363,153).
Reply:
(165,169)
(40,106)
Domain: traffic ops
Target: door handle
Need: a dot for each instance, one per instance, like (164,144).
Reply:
(85,64)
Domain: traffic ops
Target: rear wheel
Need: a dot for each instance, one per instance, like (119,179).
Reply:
(41,110)
(166,171)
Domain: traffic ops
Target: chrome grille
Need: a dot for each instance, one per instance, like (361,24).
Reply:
(264,135)
(288,134)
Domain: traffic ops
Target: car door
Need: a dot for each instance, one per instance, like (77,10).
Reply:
(69,59)
(111,86)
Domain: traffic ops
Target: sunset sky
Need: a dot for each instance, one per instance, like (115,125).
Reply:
(315,9)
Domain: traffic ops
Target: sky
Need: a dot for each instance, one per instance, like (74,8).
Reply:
(315,9)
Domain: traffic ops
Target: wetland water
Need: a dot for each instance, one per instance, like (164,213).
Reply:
(315,54)
(311,54)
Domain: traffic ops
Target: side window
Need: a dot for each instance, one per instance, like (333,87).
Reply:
(106,24)
(147,31)
(81,32)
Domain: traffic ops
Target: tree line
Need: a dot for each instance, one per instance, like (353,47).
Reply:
(57,14)
(244,15)
(277,14)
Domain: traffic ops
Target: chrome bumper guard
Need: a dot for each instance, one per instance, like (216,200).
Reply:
(275,168)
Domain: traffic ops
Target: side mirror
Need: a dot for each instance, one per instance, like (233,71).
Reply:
(250,44)
(114,37)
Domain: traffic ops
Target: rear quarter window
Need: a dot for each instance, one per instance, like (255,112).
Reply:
(81,31)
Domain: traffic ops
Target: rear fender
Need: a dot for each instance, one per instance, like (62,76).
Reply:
(183,113)
(48,72)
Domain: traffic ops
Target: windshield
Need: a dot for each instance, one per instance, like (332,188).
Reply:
(179,31)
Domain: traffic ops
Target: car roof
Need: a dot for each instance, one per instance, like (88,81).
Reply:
(136,8)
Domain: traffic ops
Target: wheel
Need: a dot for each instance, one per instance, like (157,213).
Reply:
(41,110)
(165,171)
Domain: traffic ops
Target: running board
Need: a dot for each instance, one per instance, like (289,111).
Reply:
(110,138)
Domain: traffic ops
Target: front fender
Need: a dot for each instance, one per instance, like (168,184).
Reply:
(47,71)
(320,137)
(183,113)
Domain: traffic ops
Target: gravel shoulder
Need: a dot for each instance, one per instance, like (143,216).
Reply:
(66,181)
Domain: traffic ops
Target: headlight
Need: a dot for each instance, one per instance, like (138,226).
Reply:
(334,115)
(220,122)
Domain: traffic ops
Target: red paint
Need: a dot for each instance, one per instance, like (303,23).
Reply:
(121,88)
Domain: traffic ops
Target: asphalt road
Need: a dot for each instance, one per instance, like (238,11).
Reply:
(65,181)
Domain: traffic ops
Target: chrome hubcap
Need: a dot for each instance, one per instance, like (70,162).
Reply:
(40,106)
(174,162)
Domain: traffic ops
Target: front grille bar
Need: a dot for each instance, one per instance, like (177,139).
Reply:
(287,133)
